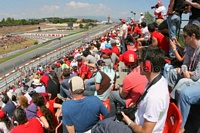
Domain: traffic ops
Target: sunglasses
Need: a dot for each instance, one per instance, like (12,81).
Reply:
(184,36)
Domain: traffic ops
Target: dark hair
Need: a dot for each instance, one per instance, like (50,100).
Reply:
(38,100)
(7,121)
(86,53)
(5,98)
(143,24)
(151,27)
(66,72)
(155,55)
(19,115)
(192,29)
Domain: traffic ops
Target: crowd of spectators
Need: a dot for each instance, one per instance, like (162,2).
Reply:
(80,89)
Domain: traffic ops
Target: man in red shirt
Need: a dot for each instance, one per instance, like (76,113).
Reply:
(22,125)
(133,84)
(83,70)
(115,49)
(158,39)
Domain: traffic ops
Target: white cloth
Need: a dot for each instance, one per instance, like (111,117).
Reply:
(154,106)
(122,28)
(40,89)
(163,11)
(3,127)
(141,19)
(145,32)
(103,45)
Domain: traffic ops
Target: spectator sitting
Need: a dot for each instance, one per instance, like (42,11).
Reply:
(89,58)
(38,87)
(105,79)
(43,113)
(90,83)
(81,113)
(131,89)
(84,71)
(152,110)
(115,49)
(64,87)
(31,110)
(9,105)
(158,39)
(189,74)
(22,125)
(5,123)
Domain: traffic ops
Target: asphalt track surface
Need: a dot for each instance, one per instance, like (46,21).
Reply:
(22,59)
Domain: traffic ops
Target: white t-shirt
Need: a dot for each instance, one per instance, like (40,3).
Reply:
(154,106)
(163,11)
(141,19)
(145,32)
(103,45)
(124,27)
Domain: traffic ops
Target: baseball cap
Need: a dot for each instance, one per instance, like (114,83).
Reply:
(76,83)
(159,2)
(122,20)
(2,114)
(107,51)
(141,13)
(129,57)
(79,58)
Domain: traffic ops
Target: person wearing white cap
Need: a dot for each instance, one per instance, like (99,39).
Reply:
(38,87)
(141,18)
(82,112)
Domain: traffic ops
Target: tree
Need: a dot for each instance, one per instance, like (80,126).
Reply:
(148,17)
(81,25)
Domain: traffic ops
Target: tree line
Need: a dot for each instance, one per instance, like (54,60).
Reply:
(15,22)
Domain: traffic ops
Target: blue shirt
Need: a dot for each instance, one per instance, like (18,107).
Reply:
(84,113)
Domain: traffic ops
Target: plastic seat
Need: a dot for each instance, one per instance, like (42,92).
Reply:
(106,103)
(174,119)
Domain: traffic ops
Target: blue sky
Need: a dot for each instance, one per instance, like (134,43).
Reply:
(19,9)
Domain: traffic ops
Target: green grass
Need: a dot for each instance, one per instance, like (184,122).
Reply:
(36,47)
(22,52)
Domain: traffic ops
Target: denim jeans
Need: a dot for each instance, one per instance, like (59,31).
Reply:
(89,87)
(173,22)
(182,83)
(188,96)
(123,46)
(65,92)
(114,99)
(194,21)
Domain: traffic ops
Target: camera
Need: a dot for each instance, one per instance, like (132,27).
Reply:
(130,112)
(156,6)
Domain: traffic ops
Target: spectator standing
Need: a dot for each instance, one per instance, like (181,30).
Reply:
(195,9)
(81,113)
(160,12)
(141,18)
(123,34)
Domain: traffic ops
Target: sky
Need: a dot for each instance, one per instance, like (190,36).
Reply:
(23,9)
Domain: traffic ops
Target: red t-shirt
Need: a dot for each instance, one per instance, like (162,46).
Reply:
(44,79)
(84,70)
(134,84)
(33,125)
(115,50)
(162,41)
(137,30)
